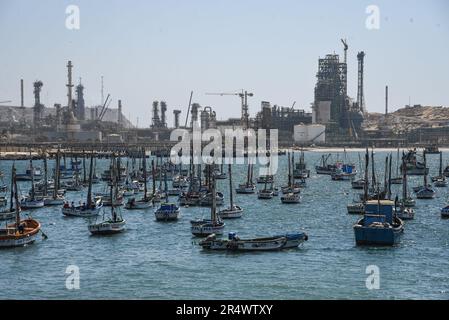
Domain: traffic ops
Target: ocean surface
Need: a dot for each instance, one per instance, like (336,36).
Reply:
(154,260)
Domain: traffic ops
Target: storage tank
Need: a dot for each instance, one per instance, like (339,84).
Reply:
(316,133)
(300,133)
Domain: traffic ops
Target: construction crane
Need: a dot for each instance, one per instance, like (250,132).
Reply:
(244,96)
(345,47)
(104,108)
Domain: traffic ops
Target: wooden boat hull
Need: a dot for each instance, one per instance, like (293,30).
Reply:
(259,244)
(10,239)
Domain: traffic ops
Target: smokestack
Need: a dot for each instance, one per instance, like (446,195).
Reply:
(386,101)
(21,93)
(119,112)
(163,111)
(176,113)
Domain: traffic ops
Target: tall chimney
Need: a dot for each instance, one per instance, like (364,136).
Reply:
(21,93)
(176,113)
(386,101)
(119,112)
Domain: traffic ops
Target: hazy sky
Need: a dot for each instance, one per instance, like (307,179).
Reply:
(161,50)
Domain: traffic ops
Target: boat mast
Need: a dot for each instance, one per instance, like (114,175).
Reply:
(111,194)
(441,165)
(231,197)
(12,188)
(373,177)
(389,177)
(55,178)
(144,164)
(289,171)
(404,182)
(213,212)
(292,166)
(89,189)
(365,185)
(166,186)
(84,167)
(153,174)
(32,180)
(16,196)
(425,170)
(397,164)
(45,174)
(386,176)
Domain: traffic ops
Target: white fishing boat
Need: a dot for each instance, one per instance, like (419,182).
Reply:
(167,212)
(233,211)
(145,202)
(265,194)
(89,209)
(205,227)
(116,223)
(291,198)
(248,187)
(425,192)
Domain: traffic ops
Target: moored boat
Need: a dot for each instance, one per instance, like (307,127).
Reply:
(234,243)
(167,212)
(233,211)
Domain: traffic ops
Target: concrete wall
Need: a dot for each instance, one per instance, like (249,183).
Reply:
(314,133)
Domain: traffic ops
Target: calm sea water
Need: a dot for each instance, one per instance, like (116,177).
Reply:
(154,260)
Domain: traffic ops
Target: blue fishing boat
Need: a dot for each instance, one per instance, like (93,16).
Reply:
(379,225)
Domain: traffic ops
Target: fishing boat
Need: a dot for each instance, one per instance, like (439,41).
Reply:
(379,225)
(21,232)
(116,223)
(220,175)
(291,198)
(167,212)
(292,186)
(440,180)
(426,191)
(32,202)
(344,172)
(397,179)
(206,199)
(249,187)
(358,207)
(89,209)
(9,213)
(233,211)
(324,167)
(300,170)
(145,202)
(205,227)
(234,243)
(266,193)
(403,212)
(414,167)
(54,199)
(30,173)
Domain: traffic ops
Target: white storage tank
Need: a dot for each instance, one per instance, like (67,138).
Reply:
(316,133)
(300,133)
(312,133)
